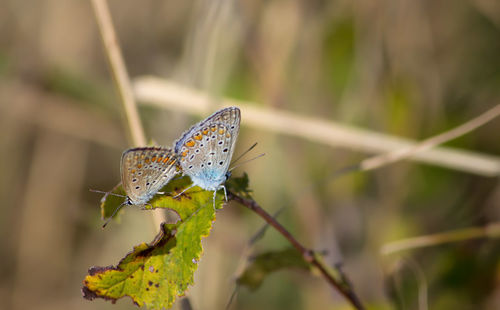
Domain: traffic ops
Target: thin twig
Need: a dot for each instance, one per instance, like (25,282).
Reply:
(120,75)
(246,253)
(341,285)
(169,95)
(489,231)
(391,157)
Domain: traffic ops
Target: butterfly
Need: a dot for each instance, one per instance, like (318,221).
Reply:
(144,171)
(205,150)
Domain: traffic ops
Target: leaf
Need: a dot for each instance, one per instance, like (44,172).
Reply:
(155,274)
(110,202)
(239,185)
(264,264)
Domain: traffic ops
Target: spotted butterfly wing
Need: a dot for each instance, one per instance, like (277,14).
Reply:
(145,171)
(205,150)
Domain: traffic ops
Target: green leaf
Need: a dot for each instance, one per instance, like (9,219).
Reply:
(155,274)
(110,202)
(239,185)
(264,264)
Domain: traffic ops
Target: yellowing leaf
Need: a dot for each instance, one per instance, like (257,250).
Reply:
(155,274)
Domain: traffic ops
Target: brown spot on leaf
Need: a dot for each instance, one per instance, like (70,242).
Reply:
(88,294)
(157,285)
(91,295)
(150,283)
(96,269)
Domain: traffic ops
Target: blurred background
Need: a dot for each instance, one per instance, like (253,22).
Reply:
(409,69)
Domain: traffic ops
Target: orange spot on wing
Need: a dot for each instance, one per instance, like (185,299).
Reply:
(213,128)
(153,159)
(166,159)
(184,153)
(221,131)
(205,131)
(132,171)
(197,137)
(139,166)
(146,160)
(190,143)
(159,159)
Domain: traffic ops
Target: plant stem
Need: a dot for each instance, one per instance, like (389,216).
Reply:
(122,81)
(489,231)
(404,153)
(339,282)
(165,94)
(119,71)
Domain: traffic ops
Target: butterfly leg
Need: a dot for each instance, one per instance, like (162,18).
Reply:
(125,203)
(225,193)
(215,194)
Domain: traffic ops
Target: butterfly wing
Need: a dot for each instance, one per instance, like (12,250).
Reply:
(228,116)
(207,148)
(145,170)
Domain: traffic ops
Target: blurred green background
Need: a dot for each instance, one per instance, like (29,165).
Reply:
(405,68)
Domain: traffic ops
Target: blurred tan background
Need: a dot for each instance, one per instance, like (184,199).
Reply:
(405,68)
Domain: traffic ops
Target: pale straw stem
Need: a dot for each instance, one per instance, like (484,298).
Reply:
(169,95)
(120,75)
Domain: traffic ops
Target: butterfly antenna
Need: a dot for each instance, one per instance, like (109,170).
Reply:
(114,213)
(244,153)
(246,161)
